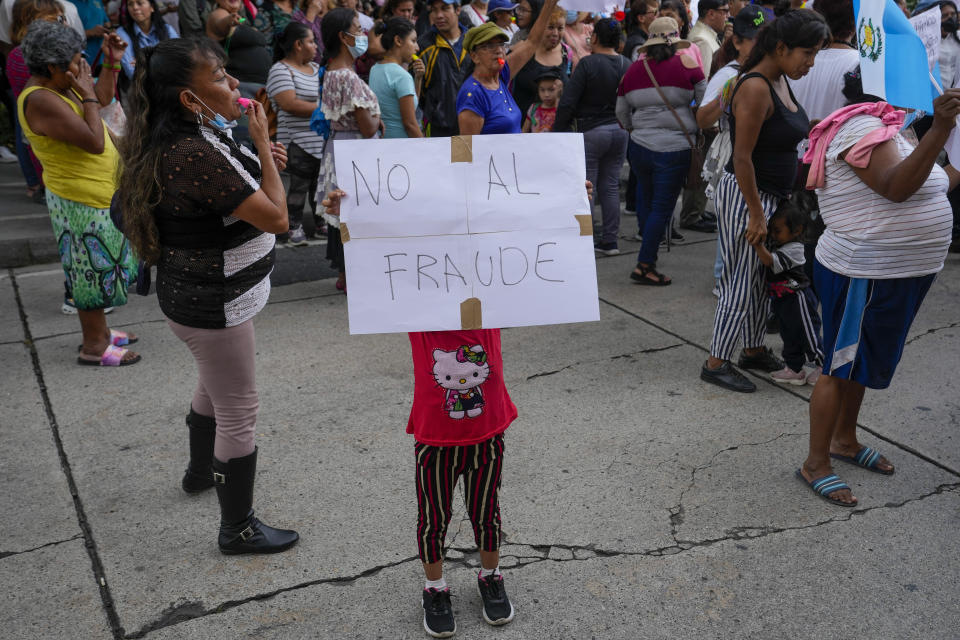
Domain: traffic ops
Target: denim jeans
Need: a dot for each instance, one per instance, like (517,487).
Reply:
(660,176)
(605,148)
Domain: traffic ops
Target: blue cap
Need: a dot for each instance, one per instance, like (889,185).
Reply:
(500,5)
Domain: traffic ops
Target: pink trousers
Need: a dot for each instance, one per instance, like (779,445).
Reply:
(226,385)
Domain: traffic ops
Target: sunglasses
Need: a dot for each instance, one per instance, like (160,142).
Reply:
(493,46)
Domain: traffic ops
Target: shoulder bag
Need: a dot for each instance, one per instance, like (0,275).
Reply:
(695,142)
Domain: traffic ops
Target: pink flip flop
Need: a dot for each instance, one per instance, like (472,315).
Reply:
(117,339)
(112,357)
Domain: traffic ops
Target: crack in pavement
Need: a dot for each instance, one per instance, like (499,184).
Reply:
(7,554)
(677,512)
(516,555)
(180,612)
(786,389)
(89,543)
(628,356)
(932,331)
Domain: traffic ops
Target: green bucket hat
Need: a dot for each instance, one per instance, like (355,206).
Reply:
(484,33)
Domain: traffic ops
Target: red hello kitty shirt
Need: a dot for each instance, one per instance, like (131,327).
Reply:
(459,397)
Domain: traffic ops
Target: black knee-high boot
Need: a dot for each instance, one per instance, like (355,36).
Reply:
(203,432)
(240,531)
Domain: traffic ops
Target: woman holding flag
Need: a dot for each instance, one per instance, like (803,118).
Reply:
(888,224)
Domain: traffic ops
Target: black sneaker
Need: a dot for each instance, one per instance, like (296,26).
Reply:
(727,377)
(702,226)
(497,609)
(764,361)
(438,619)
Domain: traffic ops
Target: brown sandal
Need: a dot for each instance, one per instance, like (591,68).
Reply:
(641,278)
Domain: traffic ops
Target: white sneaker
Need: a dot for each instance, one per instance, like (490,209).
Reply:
(297,237)
(813,374)
(789,376)
(7,156)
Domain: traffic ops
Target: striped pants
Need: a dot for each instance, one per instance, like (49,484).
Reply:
(743,303)
(438,469)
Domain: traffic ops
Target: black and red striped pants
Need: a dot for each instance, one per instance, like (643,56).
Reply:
(438,469)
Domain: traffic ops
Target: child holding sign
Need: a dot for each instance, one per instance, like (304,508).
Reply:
(460,410)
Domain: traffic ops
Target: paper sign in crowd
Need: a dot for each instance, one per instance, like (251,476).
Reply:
(466,232)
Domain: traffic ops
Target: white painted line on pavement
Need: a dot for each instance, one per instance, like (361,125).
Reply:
(31,274)
(26,216)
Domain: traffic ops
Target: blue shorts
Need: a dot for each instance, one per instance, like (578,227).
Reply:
(865,323)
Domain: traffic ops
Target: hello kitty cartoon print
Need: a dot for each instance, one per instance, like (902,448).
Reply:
(460,374)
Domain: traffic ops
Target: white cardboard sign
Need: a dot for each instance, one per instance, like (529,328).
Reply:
(593,6)
(927,25)
(466,232)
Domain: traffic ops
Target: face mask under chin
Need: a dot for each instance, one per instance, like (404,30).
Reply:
(218,121)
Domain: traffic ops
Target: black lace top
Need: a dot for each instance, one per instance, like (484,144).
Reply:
(214,269)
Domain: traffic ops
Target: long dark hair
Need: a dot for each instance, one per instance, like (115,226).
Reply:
(797,28)
(393,28)
(726,54)
(154,117)
(333,24)
(293,33)
(660,52)
(157,25)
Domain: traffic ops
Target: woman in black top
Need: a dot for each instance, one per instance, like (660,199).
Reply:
(551,54)
(589,101)
(758,177)
(204,210)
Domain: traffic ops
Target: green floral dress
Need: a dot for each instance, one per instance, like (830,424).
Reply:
(97,260)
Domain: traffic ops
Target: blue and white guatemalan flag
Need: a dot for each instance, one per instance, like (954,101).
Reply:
(893,60)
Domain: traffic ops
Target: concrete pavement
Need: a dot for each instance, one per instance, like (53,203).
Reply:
(638,502)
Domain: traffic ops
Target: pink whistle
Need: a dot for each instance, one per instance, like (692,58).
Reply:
(244,103)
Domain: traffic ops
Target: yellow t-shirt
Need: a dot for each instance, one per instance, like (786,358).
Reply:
(69,171)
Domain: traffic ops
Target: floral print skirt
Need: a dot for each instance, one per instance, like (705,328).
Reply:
(97,260)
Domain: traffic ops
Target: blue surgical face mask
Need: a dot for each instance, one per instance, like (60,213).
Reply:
(359,46)
(217,121)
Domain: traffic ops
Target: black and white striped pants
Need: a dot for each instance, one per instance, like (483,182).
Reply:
(438,469)
(743,302)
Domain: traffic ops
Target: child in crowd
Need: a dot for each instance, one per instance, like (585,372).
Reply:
(460,410)
(543,113)
(794,304)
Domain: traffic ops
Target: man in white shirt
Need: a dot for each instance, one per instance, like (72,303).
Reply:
(707,34)
(6,21)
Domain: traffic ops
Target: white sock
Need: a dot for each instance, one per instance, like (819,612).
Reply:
(439,585)
(486,572)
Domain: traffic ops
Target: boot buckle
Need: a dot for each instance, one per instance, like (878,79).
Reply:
(219,478)
(247,533)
